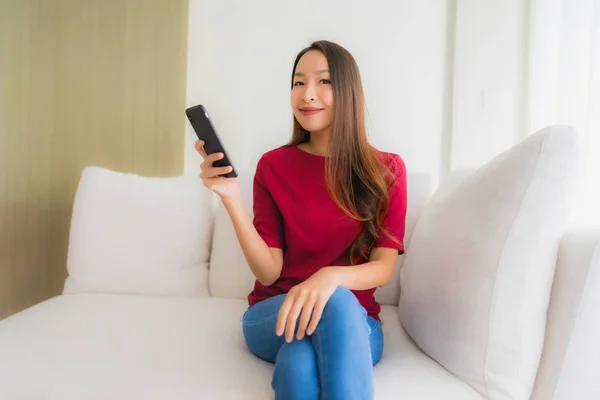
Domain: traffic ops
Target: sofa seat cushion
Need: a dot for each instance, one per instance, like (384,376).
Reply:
(99,346)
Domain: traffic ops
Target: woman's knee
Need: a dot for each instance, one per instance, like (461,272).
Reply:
(343,316)
(296,374)
(345,303)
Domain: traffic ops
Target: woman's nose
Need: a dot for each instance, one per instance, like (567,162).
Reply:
(309,94)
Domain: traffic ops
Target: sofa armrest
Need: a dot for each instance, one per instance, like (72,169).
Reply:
(570,363)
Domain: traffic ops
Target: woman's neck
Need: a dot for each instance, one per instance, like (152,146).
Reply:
(318,144)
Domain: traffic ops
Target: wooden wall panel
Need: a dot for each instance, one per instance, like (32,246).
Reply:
(82,82)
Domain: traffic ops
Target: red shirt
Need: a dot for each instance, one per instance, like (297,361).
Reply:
(294,212)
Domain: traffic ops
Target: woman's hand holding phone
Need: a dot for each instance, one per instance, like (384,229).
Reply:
(226,188)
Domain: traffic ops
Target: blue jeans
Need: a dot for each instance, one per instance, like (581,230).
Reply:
(335,362)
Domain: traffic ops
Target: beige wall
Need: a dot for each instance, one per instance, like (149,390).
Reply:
(82,82)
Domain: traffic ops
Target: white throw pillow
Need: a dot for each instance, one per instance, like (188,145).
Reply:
(478,274)
(139,235)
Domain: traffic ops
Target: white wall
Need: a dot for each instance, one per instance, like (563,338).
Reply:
(445,81)
(564,86)
(241,55)
(488,92)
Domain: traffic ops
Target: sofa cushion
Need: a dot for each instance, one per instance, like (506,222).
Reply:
(136,234)
(122,347)
(570,365)
(419,188)
(477,279)
(230,276)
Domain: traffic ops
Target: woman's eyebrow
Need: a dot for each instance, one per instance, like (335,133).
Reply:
(321,71)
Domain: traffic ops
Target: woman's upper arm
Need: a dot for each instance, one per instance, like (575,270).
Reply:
(394,221)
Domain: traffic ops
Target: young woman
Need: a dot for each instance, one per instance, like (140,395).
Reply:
(329,218)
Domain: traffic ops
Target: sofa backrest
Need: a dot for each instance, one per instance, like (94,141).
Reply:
(570,363)
(230,275)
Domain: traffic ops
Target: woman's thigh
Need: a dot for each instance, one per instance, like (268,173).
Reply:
(258,325)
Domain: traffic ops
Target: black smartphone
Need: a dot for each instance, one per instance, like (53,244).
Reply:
(205,130)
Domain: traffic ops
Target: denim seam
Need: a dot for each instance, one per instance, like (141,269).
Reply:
(260,321)
(321,364)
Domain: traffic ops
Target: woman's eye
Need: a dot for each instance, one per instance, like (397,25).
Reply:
(298,83)
(326,81)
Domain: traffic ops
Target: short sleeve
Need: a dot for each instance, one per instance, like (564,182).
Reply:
(394,221)
(267,219)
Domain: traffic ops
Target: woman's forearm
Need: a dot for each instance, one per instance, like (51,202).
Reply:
(363,276)
(263,264)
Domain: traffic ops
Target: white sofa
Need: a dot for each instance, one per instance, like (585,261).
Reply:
(157,286)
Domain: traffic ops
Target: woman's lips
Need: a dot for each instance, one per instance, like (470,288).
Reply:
(310,110)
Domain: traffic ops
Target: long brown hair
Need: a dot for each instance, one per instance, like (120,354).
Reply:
(357,179)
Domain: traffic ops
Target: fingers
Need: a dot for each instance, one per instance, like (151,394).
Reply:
(213,172)
(210,159)
(284,310)
(290,324)
(199,146)
(310,305)
(317,312)
(288,314)
(208,171)
(307,311)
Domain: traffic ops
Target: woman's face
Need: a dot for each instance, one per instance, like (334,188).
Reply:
(312,94)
